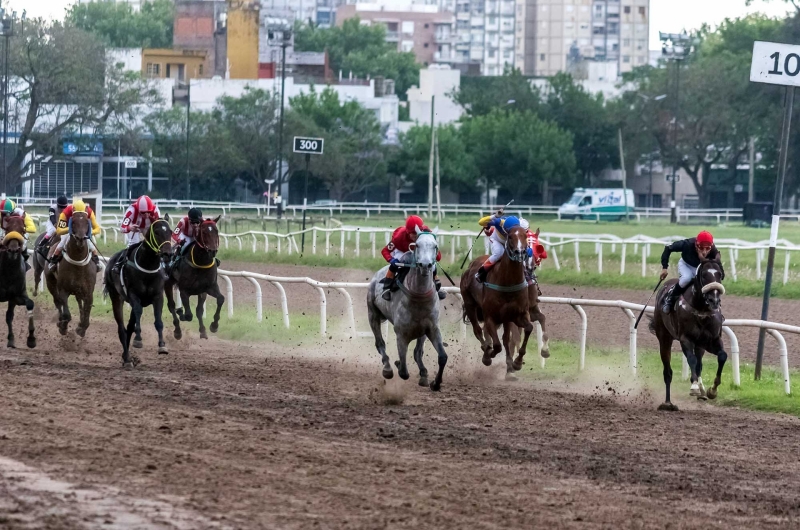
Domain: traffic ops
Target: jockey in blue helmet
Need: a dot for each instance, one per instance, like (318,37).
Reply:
(496,226)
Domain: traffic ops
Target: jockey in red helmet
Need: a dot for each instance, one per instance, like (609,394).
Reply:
(137,220)
(693,251)
(393,252)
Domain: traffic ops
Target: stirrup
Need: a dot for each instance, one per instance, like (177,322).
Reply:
(387,295)
(441,294)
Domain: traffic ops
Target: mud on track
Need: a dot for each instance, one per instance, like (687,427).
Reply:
(225,435)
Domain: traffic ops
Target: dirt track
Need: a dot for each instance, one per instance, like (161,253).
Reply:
(227,435)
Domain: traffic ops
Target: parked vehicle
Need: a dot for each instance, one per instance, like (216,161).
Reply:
(588,203)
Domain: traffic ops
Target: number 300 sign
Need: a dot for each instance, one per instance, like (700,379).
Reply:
(775,64)
(309,146)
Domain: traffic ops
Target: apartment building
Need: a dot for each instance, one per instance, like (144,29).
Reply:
(485,31)
(563,35)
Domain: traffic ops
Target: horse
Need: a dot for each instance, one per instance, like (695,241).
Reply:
(13,288)
(39,259)
(75,275)
(536,315)
(140,282)
(503,299)
(413,310)
(196,275)
(696,322)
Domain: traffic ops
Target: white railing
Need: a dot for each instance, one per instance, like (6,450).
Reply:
(629,309)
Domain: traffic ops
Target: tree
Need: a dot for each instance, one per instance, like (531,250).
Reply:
(119,26)
(517,150)
(354,155)
(62,85)
(481,95)
(457,167)
(363,50)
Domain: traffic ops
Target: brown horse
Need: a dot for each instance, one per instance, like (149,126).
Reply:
(75,275)
(196,275)
(13,288)
(502,300)
(40,250)
(696,322)
(536,316)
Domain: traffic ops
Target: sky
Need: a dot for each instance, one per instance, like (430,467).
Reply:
(666,15)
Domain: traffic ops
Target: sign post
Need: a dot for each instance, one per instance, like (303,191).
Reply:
(307,146)
(775,64)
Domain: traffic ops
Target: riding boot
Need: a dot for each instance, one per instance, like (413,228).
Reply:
(673,296)
(388,287)
(123,259)
(441,294)
(96,259)
(53,261)
(481,274)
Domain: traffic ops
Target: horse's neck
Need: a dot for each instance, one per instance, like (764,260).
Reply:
(696,299)
(510,269)
(73,248)
(8,265)
(145,256)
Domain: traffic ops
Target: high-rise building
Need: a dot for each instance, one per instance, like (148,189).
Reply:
(485,34)
(135,4)
(566,35)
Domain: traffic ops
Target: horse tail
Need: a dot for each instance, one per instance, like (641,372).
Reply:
(651,325)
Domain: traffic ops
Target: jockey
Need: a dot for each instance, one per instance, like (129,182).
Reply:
(496,226)
(186,232)
(65,230)
(393,252)
(52,220)
(536,252)
(693,251)
(7,209)
(138,218)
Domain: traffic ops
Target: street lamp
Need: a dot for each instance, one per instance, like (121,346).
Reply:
(6,31)
(676,47)
(279,32)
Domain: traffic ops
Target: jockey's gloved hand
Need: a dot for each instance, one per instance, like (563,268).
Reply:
(393,265)
(664,274)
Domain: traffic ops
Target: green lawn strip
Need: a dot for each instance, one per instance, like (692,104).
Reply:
(606,367)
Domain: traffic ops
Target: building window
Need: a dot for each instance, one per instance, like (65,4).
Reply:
(627,10)
(425,45)
(640,60)
(491,54)
(426,26)
(492,20)
(407,45)
(541,57)
(200,70)
(506,54)
(626,59)
(642,11)
(153,70)
(408,28)
(626,42)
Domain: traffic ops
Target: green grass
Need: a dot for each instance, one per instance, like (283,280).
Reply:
(607,368)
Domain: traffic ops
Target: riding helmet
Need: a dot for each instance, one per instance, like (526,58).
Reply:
(62,202)
(705,238)
(7,206)
(413,222)
(145,204)
(78,206)
(195,215)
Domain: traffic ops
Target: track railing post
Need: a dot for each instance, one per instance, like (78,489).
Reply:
(584,328)
(632,340)
(737,377)
(259,299)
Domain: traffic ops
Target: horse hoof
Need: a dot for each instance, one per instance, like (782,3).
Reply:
(188,318)
(711,393)
(423,381)
(11,344)
(62,329)
(388,374)
(178,334)
(80,331)
(487,360)
(213,327)
(545,354)
(135,360)
(497,348)
(702,398)
(517,365)
(137,344)
(31,342)
(404,375)
(511,377)
(203,335)
(669,407)
(127,365)
(436,386)
(162,350)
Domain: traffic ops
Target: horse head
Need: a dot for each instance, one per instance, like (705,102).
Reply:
(159,237)
(14,239)
(709,276)
(208,235)
(80,228)
(425,251)
(517,244)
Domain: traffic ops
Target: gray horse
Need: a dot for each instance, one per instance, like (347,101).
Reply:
(413,311)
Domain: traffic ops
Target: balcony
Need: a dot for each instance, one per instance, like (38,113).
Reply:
(392,36)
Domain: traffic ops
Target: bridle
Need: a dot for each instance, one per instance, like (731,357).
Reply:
(150,239)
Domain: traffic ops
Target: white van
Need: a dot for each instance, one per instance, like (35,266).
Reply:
(588,203)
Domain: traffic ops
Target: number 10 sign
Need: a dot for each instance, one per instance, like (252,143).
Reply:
(775,64)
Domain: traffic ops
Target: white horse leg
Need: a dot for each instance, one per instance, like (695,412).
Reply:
(423,372)
(435,337)
(402,350)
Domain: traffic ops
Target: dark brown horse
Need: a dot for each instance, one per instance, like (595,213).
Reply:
(696,322)
(75,275)
(140,282)
(196,275)
(13,288)
(502,300)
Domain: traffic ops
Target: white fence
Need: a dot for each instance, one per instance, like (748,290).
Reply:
(629,309)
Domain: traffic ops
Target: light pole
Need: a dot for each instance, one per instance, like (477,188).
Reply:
(284,29)
(675,47)
(268,182)
(6,31)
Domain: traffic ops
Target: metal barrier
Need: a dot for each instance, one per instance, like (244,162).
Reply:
(629,309)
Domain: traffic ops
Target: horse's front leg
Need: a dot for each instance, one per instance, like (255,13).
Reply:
(691,358)
(490,350)
(509,356)
(402,350)
(537,316)
(435,337)
(526,325)
(64,317)
(201,302)
(10,323)
(187,308)
(699,352)
(380,344)
(31,343)
(136,311)
(85,307)
(215,292)
(170,294)
(722,356)
(158,308)
(418,351)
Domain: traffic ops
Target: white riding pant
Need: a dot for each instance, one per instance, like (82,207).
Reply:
(686,273)
(131,238)
(50,231)
(65,238)
(497,247)
(187,240)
